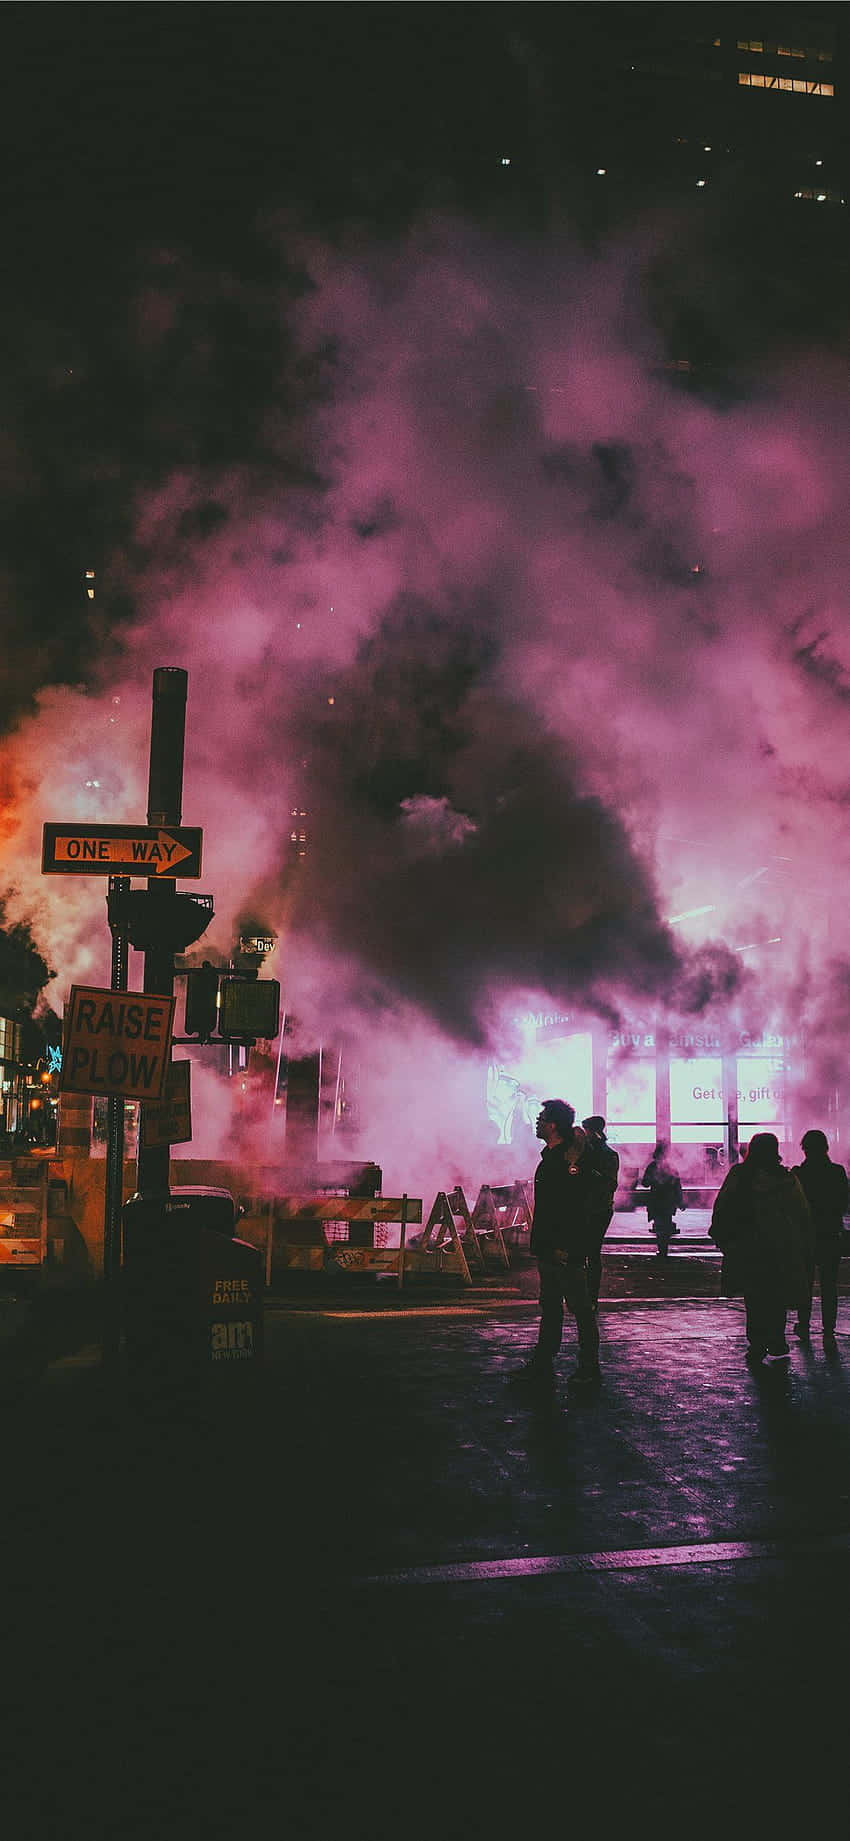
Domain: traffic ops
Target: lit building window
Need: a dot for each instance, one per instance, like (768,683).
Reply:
(828,197)
(785,51)
(802,86)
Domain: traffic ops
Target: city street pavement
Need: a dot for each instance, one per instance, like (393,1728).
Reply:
(393,1594)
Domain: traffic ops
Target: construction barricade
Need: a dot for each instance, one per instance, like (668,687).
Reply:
(303,1234)
(314,1232)
(480,1230)
(508,1206)
(23,1212)
(441,1241)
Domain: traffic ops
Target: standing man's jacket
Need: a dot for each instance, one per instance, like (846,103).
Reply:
(824,1185)
(606,1160)
(763,1226)
(571,1202)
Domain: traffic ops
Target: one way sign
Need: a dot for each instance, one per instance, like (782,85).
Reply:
(121,850)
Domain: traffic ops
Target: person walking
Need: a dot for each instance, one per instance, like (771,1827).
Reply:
(664,1183)
(570,1197)
(824,1185)
(762,1224)
(607,1161)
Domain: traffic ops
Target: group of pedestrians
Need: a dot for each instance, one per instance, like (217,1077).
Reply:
(776,1230)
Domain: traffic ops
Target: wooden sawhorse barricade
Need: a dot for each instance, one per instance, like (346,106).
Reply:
(464,1237)
(454,1239)
(507,1207)
(295,1238)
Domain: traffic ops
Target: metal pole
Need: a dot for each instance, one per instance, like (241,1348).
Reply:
(118,887)
(730,1088)
(319,1111)
(336,1094)
(165,807)
(279,1055)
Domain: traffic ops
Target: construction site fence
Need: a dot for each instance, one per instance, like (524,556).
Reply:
(387,1235)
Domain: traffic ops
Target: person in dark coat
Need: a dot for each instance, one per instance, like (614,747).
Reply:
(570,1199)
(825,1187)
(664,1183)
(762,1225)
(607,1161)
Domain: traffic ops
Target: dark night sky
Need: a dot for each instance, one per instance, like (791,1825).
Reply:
(149,142)
(152,146)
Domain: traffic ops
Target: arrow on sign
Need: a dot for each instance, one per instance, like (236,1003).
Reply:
(156,855)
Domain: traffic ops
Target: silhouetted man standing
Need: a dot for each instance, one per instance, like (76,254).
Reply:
(570,1198)
(824,1185)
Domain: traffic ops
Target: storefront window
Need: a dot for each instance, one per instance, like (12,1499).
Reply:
(696,1100)
(561,1070)
(556,1069)
(761,1095)
(631,1102)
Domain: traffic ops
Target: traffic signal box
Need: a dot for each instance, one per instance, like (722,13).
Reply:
(236,1008)
(202,1000)
(249,1008)
(192,1297)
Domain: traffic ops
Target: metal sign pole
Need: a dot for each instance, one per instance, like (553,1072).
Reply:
(118,887)
(165,805)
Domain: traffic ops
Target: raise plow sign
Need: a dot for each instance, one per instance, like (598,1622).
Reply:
(116,1043)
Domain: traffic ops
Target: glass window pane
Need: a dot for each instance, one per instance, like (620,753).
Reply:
(697,1134)
(761,1091)
(696,1090)
(631,1094)
(641,1133)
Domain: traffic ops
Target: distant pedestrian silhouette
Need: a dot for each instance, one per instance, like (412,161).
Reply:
(662,1180)
(762,1225)
(825,1187)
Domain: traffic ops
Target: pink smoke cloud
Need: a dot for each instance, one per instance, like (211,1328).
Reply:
(652,587)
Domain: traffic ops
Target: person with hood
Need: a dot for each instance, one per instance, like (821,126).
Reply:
(762,1225)
(664,1183)
(824,1185)
(607,1161)
(570,1198)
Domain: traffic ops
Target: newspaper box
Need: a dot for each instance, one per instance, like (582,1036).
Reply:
(192,1294)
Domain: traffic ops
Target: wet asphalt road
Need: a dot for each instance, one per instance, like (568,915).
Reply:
(393,1596)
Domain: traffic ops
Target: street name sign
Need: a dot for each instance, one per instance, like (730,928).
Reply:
(116,1042)
(121,850)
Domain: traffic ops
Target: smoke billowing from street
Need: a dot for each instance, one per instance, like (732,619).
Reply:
(550,650)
